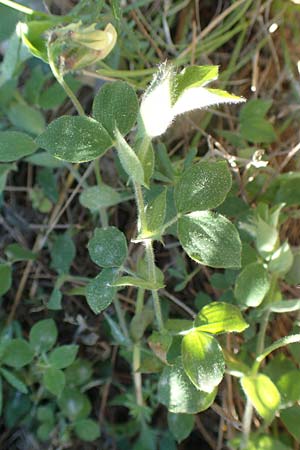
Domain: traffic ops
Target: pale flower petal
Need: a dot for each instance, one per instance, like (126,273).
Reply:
(198,98)
(156,110)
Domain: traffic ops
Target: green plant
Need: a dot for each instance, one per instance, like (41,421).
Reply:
(191,201)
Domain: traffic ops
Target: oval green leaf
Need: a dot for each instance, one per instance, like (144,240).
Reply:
(43,335)
(88,430)
(26,118)
(178,394)
(252,284)
(54,380)
(210,239)
(219,317)
(18,353)
(108,247)
(15,145)
(74,404)
(14,381)
(180,425)
(202,186)
(202,360)
(96,197)
(116,105)
(75,139)
(63,252)
(100,292)
(63,356)
(263,395)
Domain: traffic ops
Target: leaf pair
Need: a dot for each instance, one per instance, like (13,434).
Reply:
(188,385)
(207,237)
(108,249)
(202,355)
(80,139)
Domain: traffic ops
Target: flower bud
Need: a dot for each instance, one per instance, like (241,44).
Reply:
(100,40)
(76,46)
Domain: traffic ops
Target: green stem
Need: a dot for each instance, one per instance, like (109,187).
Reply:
(262,333)
(71,95)
(137,376)
(140,206)
(247,420)
(97,172)
(142,223)
(152,274)
(71,278)
(62,82)
(248,413)
(286,340)
(125,73)
(139,301)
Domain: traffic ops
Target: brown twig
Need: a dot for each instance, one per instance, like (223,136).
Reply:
(146,34)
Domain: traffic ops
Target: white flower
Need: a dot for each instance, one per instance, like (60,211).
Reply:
(158,110)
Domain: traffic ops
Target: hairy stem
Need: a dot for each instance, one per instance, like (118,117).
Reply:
(152,274)
(149,252)
(140,206)
(137,376)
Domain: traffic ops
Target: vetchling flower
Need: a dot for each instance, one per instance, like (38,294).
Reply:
(101,40)
(76,46)
(171,94)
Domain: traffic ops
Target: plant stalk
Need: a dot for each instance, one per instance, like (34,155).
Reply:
(152,274)
(142,224)
(247,420)
(137,376)
(248,413)
(60,79)
(262,333)
(140,206)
